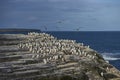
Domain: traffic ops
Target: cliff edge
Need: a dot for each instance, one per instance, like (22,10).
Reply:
(40,56)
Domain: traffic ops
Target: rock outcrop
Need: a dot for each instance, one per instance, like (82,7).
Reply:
(40,56)
(13,30)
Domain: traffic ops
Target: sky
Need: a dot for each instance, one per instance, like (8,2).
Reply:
(61,15)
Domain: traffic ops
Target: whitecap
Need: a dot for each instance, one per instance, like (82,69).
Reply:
(111,56)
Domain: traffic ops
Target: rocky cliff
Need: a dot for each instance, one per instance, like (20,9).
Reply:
(40,56)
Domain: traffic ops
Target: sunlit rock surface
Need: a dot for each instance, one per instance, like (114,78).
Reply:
(40,56)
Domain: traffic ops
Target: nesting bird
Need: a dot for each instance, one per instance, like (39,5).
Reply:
(44,61)
(102,74)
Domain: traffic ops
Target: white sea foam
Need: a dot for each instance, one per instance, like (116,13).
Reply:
(111,56)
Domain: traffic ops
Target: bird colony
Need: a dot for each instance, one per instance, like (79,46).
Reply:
(51,50)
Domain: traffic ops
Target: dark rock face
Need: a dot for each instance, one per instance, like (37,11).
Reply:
(19,30)
(40,56)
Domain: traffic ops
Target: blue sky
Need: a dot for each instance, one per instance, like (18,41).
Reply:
(62,15)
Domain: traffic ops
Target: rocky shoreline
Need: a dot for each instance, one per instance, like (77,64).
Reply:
(40,56)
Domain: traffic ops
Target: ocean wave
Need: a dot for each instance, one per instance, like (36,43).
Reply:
(111,56)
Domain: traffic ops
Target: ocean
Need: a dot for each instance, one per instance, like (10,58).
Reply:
(106,43)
